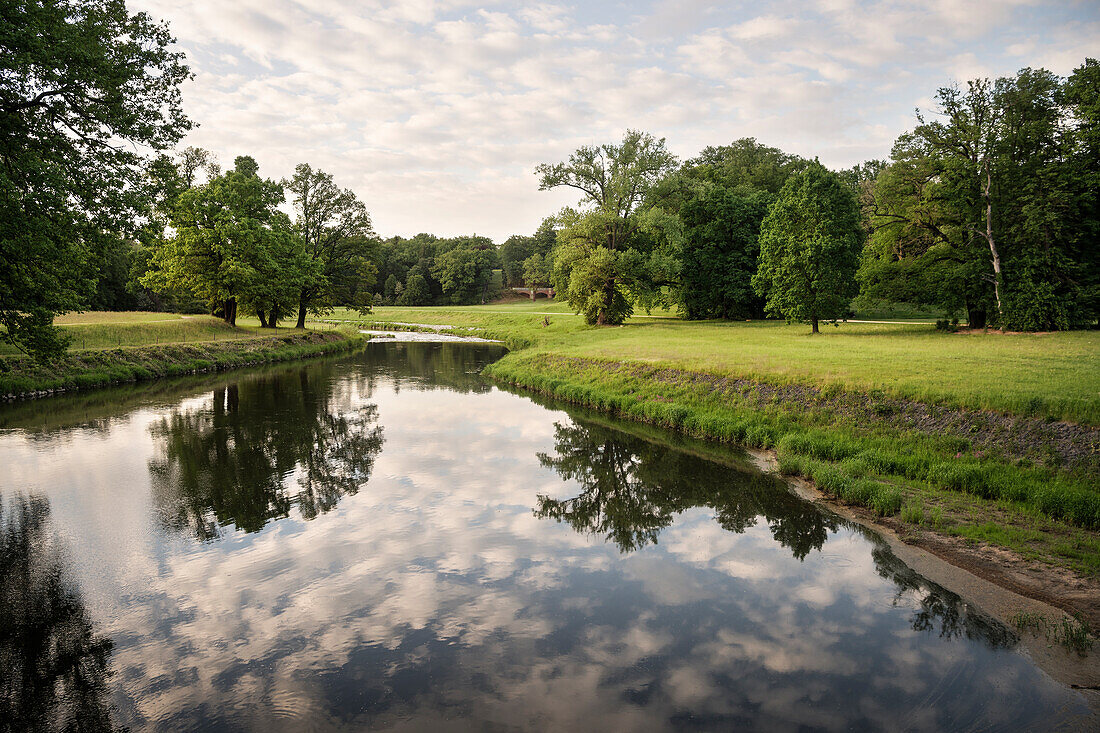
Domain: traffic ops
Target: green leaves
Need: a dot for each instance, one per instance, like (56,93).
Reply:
(83,86)
(810,243)
(338,238)
(721,232)
(463,273)
(998,192)
(600,266)
(231,245)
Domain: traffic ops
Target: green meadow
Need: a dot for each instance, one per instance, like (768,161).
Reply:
(1053,375)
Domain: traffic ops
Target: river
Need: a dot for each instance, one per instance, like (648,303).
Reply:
(387,540)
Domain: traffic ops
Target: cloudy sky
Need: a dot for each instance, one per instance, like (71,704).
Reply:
(436,112)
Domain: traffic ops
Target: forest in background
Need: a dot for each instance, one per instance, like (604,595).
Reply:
(987,210)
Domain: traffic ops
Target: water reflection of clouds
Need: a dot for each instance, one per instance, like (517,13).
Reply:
(435,591)
(373,575)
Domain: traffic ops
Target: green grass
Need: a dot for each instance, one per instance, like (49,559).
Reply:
(110,330)
(838,453)
(84,318)
(1072,633)
(114,330)
(1055,375)
(100,367)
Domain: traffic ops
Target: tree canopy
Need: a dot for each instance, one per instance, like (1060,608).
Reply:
(720,252)
(990,205)
(83,87)
(336,230)
(605,244)
(231,246)
(810,243)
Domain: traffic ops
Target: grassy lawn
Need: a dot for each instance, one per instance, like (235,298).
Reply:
(1055,374)
(109,330)
(87,318)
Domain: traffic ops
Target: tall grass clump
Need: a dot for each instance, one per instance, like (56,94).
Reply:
(1053,495)
(913,513)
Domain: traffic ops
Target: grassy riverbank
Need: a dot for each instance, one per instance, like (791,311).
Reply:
(87,368)
(935,478)
(1055,375)
(990,438)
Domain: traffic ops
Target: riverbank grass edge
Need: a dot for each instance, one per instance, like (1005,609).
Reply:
(1031,502)
(91,368)
(1040,512)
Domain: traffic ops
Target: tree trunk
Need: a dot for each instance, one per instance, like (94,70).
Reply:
(262,317)
(975,317)
(986,188)
(813,325)
(301,311)
(230,314)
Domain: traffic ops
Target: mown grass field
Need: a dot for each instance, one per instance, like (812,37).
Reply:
(110,330)
(1051,375)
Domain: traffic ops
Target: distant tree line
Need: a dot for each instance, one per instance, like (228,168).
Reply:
(430,270)
(988,208)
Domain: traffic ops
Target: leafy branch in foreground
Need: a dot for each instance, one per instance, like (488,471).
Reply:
(83,87)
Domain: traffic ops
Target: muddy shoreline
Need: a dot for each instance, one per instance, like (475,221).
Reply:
(997,580)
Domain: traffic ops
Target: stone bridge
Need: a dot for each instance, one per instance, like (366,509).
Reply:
(535,292)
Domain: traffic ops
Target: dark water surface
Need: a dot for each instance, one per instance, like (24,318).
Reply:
(387,541)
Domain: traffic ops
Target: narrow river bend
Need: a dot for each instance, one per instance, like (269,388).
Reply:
(386,540)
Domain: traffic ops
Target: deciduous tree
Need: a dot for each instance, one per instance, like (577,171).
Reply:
(720,252)
(338,236)
(608,229)
(810,243)
(84,86)
(231,246)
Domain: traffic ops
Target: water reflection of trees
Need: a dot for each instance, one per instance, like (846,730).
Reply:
(632,488)
(940,611)
(53,667)
(264,445)
(430,365)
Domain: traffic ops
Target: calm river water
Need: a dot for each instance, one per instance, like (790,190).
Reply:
(386,540)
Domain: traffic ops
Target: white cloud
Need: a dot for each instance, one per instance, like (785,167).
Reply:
(436,112)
